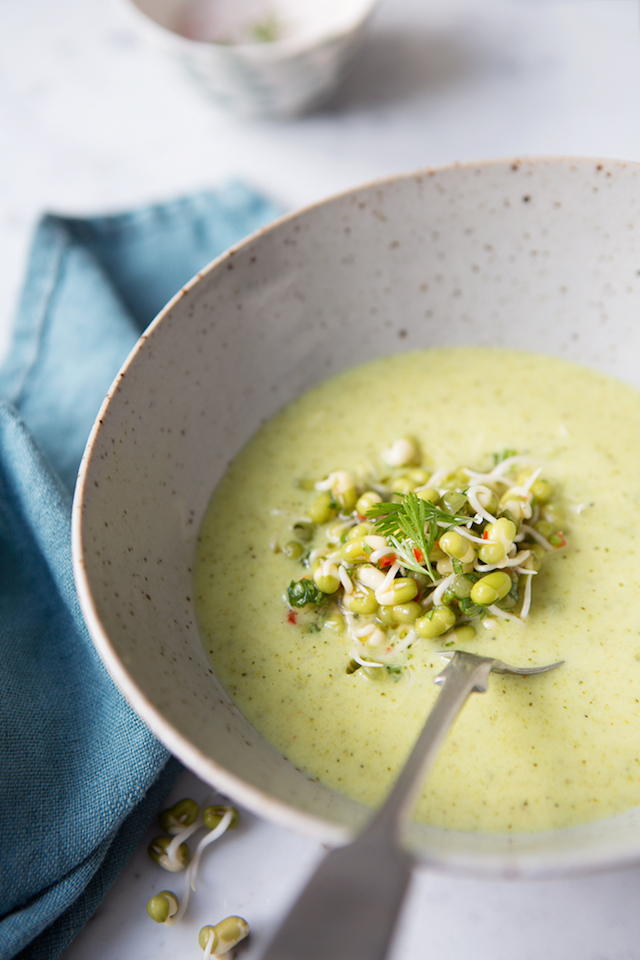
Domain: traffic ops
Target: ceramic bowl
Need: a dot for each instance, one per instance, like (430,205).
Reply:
(536,254)
(258,58)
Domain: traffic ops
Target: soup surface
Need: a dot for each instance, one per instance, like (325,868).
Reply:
(533,753)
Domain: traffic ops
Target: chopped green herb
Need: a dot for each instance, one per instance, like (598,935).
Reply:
(470,609)
(417,522)
(302,592)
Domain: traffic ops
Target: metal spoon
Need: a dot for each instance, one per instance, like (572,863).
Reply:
(349,908)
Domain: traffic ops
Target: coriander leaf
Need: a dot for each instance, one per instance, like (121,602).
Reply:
(302,592)
(471,609)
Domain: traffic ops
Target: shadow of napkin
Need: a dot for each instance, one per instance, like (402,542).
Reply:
(80,775)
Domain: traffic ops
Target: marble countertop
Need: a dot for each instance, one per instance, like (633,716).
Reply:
(94,120)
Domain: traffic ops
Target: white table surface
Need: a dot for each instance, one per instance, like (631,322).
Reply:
(93,120)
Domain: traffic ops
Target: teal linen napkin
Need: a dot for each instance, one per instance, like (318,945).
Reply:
(80,775)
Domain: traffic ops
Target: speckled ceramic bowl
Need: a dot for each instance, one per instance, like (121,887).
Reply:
(536,254)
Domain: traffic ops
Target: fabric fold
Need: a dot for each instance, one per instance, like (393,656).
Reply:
(80,774)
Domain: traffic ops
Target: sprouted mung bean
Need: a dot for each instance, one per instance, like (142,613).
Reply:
(405,554)
(171,853)
(219,940)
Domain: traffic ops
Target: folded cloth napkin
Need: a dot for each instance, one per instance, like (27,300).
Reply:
(80,775)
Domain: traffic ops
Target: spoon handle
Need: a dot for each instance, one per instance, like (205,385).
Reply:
(349,908)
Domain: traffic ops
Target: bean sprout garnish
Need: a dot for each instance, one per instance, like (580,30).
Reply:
(183,820)
(407,552)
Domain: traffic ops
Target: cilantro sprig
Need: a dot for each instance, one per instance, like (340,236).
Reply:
(302,592)
(412,526)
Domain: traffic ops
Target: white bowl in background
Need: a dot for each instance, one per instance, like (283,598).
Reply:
(305,50)
(539,254)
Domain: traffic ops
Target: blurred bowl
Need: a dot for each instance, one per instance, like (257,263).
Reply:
(258,58)
(534,254)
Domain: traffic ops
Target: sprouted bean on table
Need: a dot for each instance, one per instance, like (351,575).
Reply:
(172,853)
(403,554)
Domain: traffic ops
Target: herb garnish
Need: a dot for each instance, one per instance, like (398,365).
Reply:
(302,592)
(399,555)
(418,522)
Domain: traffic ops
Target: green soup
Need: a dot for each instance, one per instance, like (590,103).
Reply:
(531,754)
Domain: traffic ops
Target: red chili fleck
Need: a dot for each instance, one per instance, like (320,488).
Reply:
(291,616)
(387,561)
(418,554)
(485,535)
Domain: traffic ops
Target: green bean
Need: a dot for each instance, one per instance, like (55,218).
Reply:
(538,554)
(406,612)
(514,504)
(323,508)
(489,501)
(362,601)
(400,590)
(418,474)
(445,566)
(213,815)
(335,621)
(353,550)
(403,484)
(544,528)
(366,501)
(461,587)
(457,546)
(163,906)
(492,552)
(157,850)
(360,530)
(182,814)
(499,537)
(455,502)
(491,588)
(346,498)
(463,633)
(437,554)
(542,491)
(385,614)
(226,935)
(328,583)
(429,494)
(435,622)
(293,549)
(208,937)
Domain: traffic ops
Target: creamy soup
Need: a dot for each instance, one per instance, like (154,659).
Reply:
(531,754)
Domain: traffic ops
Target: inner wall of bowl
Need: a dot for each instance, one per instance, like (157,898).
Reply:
(537,255)
(253,21)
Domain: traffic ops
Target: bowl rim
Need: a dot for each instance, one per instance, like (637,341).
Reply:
(274,49)
(262,803)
